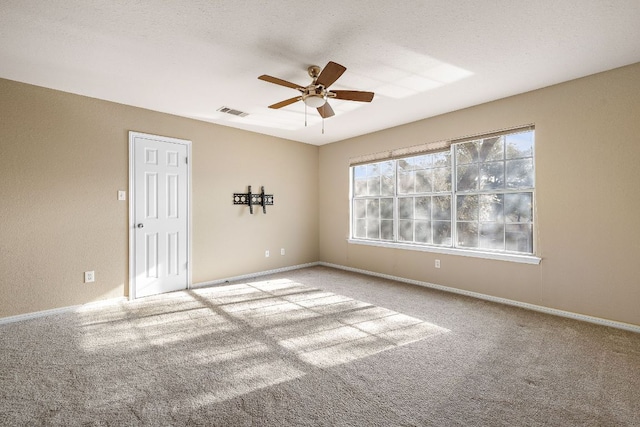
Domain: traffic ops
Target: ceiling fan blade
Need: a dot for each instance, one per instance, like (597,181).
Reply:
(353,95)
(285,102)
(330,74)
(326,111)
(278,81)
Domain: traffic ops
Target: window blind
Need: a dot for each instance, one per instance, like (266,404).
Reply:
(430,147)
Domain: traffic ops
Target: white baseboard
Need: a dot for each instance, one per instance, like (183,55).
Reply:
(533,307)
(253,275)
(43,313)
(37,314)
(539,308)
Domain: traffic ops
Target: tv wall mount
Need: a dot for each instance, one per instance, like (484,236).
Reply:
(253,199)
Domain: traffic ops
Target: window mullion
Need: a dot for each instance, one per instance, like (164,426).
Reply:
(395,202)
(352,201)
(504,227)
(454,198)
(504,184)
(413,225)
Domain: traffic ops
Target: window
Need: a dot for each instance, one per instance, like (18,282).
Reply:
(373,208)
(476,195)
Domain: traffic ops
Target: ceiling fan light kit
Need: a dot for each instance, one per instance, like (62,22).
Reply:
(317,93)
(314,100)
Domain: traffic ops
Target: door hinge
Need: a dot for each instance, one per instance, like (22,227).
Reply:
(186,160)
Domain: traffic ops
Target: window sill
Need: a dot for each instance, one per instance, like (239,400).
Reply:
(523,259)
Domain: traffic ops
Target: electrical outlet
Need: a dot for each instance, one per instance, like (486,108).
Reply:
(282,251)
(89,276)
(266,254)
(437,263)
(122,195)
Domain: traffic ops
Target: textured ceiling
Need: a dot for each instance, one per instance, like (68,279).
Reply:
(422,58)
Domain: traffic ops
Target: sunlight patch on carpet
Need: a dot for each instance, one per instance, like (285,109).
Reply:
(244,336)
(328,329)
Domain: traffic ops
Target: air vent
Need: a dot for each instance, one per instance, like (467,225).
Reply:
(233,112)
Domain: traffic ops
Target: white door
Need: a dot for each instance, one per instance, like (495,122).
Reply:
(159,214)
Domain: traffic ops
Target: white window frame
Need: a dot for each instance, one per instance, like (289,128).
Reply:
(449,250)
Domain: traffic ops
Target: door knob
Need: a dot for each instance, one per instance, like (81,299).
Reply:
(141,225)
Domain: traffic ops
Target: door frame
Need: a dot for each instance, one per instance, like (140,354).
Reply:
(132,196)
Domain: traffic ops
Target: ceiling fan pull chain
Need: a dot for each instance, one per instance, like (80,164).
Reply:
(305,115)
(323,125)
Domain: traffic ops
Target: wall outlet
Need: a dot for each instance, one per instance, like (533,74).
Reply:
(122,195)
(282,251)
(266,254)
(437,263)
(89,276)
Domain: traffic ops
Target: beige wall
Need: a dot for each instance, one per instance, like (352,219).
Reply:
(62,159)
(587,199)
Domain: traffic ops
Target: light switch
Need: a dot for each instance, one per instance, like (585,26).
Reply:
(122,195)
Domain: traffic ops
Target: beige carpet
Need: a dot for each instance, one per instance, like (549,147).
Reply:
(316,347)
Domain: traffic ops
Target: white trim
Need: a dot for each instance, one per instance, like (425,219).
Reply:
(132,253)
(61,310)
(568,314)
(525,259)
(132,136)
(254,275)
(533,307)
(450,250)
(112,301)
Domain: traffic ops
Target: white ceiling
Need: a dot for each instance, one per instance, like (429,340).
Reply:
(422,58)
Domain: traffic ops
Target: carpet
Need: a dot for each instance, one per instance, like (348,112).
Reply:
(316,347)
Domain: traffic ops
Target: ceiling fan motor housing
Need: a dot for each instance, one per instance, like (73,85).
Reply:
(314,96)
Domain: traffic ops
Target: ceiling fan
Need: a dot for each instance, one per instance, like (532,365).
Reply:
(317,93)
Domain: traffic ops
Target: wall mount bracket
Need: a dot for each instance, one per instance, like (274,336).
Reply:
(252,199)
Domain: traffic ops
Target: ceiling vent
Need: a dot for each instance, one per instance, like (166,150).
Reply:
(233,112)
